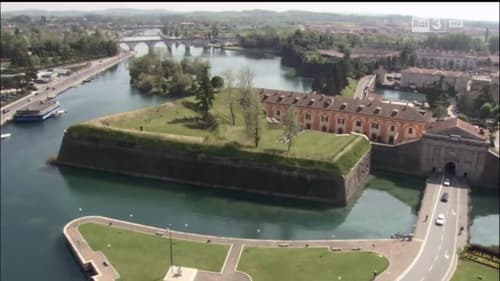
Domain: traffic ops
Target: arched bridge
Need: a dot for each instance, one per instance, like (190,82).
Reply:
(151,41)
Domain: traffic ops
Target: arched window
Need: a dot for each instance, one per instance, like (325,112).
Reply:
(323,128)
(358,123)
(410,130)
(278,112)
(393,128)
(308,116)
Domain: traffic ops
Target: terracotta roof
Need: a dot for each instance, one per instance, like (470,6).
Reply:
(361,52)
(431,71)
(440,126)
(342,104)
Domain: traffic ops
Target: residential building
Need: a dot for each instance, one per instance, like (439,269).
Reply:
(419,78)
(452,60)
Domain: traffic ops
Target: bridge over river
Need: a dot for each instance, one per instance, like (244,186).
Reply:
(151,41)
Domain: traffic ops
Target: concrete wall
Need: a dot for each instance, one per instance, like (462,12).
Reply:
(490,175)
(205,170)
(402,158)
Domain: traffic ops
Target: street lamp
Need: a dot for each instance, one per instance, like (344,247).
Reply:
(171,248)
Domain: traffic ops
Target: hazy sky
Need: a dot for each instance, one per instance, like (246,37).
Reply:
(472,10)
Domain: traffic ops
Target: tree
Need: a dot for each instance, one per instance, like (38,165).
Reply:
(485,110)
(217,82)
(205,93)
(291,125)
(251,105)
(228,75)
(439,112)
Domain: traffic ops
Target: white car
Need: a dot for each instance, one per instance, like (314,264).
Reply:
(440,219)
(447,182)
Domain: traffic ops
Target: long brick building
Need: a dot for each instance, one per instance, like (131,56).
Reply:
(382,122)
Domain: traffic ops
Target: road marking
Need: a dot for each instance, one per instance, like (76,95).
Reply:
(453,264)
(426,233)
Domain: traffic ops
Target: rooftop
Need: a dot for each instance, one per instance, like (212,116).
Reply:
(361,52)
(431,71)
(343,104)
(446,126)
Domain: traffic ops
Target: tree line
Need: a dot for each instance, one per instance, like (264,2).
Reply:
(34,48)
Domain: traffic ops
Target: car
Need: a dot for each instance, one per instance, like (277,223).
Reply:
(447,182)
(440,219)
(444,197)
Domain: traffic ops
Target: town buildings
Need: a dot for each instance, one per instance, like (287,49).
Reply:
(451,60)
(420,78)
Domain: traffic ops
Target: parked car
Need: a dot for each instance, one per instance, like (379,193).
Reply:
(440,219)
(444,197)
(447,182)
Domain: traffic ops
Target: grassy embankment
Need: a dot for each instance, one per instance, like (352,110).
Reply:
(268,264)
(472,271)
(146,257)
(350,88)
(175,126)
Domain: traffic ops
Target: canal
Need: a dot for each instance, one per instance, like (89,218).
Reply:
(38,200)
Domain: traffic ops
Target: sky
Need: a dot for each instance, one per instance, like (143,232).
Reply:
(486,11)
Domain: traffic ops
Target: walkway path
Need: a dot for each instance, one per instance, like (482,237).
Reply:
(400,253)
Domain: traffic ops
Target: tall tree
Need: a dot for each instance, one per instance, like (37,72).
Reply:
(229,77)
(291,124)
(205,93)
(251,105)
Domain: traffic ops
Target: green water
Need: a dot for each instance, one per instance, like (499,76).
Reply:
(397,95)
(38,200)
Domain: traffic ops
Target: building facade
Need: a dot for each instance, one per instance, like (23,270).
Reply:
(419,78)
(380,122)
(452,60)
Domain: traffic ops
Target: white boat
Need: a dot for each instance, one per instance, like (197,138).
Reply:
(59,113)
(4,136)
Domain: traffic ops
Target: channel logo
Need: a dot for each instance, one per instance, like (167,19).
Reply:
(434,25)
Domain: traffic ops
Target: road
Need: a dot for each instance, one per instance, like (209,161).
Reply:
(436,259)
(362,84)
(61,84)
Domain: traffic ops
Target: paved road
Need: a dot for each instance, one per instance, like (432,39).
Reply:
(362,84)
(61,84)
(436,259)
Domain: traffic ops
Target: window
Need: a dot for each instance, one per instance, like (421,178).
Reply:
(374,125)
(278,112)
(374,136)
(393,128)
(308,116)
(391,139)
(324,118)
(410,130)
(340,131)
(308,126)
(358,123)
(323,128)
(340,121)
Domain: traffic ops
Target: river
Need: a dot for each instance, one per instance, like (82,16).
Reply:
(38,200)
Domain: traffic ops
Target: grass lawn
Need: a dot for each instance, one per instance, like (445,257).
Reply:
(350,88)
(145,257)
(406,188)
(179,119)
(473,271)
(318,264)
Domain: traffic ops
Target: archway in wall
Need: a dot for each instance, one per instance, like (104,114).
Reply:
(449,169)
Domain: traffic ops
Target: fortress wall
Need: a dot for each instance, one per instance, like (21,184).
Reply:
(210,171)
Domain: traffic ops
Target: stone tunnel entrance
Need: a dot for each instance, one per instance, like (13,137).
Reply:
(449,169)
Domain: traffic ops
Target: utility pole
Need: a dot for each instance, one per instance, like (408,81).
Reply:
(171,249)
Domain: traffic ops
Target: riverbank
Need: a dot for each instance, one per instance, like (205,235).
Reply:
(62,84)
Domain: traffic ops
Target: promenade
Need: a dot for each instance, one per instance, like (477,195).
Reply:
(400,253)
(61,84)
